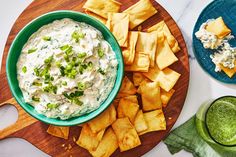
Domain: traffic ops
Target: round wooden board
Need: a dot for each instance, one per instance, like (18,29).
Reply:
(172,111)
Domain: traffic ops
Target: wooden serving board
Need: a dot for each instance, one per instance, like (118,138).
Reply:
(34,131)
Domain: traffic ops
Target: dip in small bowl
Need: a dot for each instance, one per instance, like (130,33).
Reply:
(64,68)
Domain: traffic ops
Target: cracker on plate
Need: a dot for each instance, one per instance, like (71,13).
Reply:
(155,121)
(127,108)
(118,23)
(107,145)
(59,131)
(140,123)
(140,12)
(141,63)
(162,27)
(229,72)
(129,52)
(138,78)
(126,134)
(102,7)
(151,98)
(88,139)
(147,43)
(127,88)
(164,55)
(103,120)
(99,18)
(218,28)
(166,96)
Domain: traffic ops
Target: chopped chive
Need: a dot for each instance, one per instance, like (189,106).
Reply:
(77,101)
(64,83)
(100,53)
(50,88)
(77,36)
(101,71)
(90,65)
(36,71)
(48,60)
(58,64)
(66,57)
(37,84)
(63,48)
(69,51)
(32,50)
(81,86)
(47,38)
(82,55)
(35,99)
(24,69)
(52,106)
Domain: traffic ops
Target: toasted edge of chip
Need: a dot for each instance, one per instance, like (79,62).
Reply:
(147,43)
(140,123)
(99,18)
(151,98)
(162,27)
(102,7)
(126,134)
(103,120)
(218,28)
(107,145)
(155,121)
(127,108)
(227,71)
(166,96)
(139,12)
(141,63)
(88,139)
(127,88)
(164,55)
(119,26)
(138,78)
(58,131)
(129,52)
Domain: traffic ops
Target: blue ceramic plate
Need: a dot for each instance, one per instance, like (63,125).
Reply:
(226,9)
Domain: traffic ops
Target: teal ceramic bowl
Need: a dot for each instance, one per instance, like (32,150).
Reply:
(21,39)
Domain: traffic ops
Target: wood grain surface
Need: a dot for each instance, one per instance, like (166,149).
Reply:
(35,132)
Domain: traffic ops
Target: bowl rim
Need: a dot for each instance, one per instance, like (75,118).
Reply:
(88,116)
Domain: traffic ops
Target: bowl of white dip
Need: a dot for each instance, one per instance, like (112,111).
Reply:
(64,68)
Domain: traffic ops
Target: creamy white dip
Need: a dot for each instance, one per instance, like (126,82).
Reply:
(225,54)
(66,69)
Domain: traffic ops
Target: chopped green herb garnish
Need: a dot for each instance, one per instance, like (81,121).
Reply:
(36,71)
(58,64)
(64,83)
(48,60)
(69,51)
(101,71)
(66,57)
(77,101)
(35,99)
(100,52)
(47,38)
(24,69)
(90,65)
(82,55)
(77,36)
(63,48)
(62,70)
(50,88)
(32,50)
(78,93)
(81,86)
(52,106)
(37,84)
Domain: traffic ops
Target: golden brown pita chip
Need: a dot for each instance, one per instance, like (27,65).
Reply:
(99,18)
(147,43)
(118,23)
(155,121)
(116,102)
(126,134)
(88,139)
(132,98)
(229,72)
(107,146)
(167,78)
(140,12)
(139,123)
(58,131)
(127,108)
(102,7)
(218,28)
(166,96)
(141,63)
(103,120)
(151,98)
(129,52)
(138,78)
(164,55)
(162,27)
(127,88)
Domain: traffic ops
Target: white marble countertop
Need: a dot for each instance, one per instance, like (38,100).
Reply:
(202,86)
